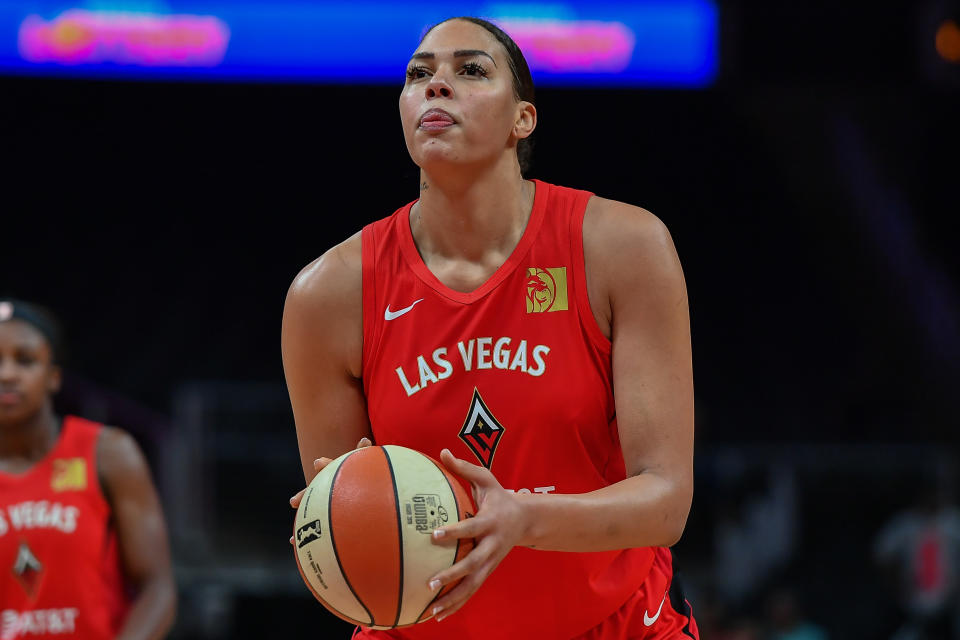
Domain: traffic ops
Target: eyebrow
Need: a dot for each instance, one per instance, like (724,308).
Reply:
(459,53)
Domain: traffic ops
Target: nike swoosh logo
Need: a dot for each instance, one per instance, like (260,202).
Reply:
(647,620)
(393,315)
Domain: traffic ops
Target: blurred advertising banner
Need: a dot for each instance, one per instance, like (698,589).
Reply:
(640,44)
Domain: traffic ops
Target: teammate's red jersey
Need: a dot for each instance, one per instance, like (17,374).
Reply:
(515,376)
(60,574)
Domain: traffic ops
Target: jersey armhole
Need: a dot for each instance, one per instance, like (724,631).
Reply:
(585,311)
(369,294)
(85,438)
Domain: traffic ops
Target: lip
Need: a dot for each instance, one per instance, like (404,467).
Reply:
(436,119)
(9,398)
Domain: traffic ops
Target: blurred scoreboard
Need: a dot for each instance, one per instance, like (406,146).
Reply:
(667,43)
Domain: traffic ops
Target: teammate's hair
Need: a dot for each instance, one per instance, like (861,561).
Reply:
(522,80)
(40,318)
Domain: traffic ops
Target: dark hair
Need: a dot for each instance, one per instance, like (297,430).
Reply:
(522,80)
(40,318)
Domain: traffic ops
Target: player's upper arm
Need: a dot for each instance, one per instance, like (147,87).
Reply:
(322,342)
(630,253)
(137,513)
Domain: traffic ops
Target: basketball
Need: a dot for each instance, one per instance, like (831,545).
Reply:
(362,534)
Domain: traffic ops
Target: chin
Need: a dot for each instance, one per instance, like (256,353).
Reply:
(15,414)
(434,162)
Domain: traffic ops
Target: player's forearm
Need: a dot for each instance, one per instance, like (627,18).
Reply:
(153,611)
(645,510)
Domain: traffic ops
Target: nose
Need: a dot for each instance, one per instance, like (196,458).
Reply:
(8,369)
(438,87)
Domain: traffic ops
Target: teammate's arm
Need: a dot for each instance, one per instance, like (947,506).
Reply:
(638,292)
(141,533)
(322,342)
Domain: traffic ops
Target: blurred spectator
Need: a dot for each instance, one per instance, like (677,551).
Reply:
(744,629)
(757,538)
(786,621)
(919,550)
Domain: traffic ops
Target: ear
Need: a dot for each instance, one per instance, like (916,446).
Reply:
(526,120)
(55,379)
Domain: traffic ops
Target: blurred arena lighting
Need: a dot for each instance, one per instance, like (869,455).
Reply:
(78,36)
(948,41)
(939,43)
(647,43)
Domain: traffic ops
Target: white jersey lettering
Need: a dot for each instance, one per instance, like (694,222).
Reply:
(501,356)
(483,353)
(467,355)
(541,490)
(406,385)
(426,373)
(16,624)
(520,357)
(538,352)
(40,515)
(442,363)
(477,354)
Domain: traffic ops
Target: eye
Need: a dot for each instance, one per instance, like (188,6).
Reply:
(475,69)
(416,72)
(25,359)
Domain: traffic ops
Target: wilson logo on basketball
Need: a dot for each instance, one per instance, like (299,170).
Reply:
(481,431)
(308,533)
(425,513)
(546,289)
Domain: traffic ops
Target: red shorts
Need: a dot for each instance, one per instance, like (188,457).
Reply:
(657,611)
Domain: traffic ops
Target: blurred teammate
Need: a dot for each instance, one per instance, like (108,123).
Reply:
(535,338)
(83,545)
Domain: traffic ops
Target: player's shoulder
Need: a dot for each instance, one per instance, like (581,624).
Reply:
(623,235)
(612,219)
(118,454)
(336,273)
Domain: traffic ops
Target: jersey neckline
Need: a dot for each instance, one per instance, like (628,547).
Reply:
(47,457)
(409,250)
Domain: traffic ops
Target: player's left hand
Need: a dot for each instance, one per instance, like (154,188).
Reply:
(499,525)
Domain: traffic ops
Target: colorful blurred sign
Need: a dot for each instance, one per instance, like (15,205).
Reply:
(666,43)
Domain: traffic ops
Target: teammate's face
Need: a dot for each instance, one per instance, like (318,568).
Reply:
(27,375)
(461,70)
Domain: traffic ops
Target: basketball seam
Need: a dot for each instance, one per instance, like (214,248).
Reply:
(333,542)
(396,502)
(459,540)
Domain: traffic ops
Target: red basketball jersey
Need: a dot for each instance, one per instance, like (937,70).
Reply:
(515,376)
(60,574)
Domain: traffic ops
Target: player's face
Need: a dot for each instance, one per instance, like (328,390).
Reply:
(27,375)
(458,104)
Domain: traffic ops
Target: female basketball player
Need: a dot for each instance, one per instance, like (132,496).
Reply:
(83,545)
(535,338)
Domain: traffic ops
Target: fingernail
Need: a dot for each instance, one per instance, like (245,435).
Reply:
(438,533)
(437,609)
(434,585)
(291,539)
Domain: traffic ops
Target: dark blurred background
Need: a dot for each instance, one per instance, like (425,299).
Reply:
(812,193)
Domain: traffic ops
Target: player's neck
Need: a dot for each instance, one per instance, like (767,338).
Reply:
(469,214)
(31,439)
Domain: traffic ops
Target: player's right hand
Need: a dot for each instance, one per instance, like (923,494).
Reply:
(318,465)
